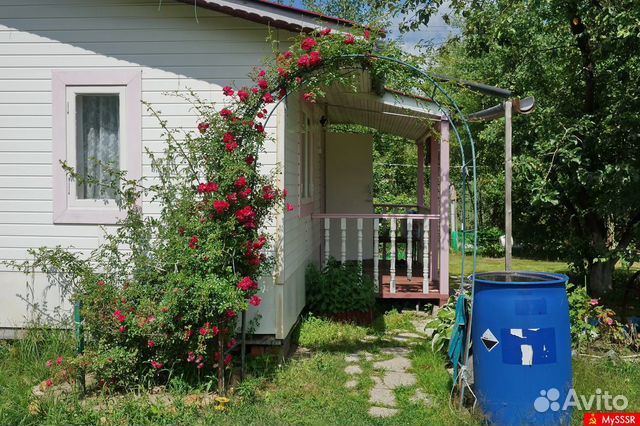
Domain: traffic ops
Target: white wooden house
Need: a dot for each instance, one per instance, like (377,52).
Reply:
(59,59)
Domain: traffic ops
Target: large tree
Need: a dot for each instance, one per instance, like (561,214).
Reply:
(577,159)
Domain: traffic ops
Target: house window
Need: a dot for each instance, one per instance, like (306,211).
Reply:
(306,161)
(97,131)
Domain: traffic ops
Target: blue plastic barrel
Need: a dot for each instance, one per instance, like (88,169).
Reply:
(522,347)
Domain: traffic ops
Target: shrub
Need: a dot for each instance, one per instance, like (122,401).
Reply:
(338,288)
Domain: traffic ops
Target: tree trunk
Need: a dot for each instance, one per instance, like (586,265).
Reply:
(601,277)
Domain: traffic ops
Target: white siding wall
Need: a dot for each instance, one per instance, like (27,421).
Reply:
(173,50)
(301,235)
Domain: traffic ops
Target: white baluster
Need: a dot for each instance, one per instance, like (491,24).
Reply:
(376,254)
(359,224)
(409,246)
(425,255)
(327,239)
(343,247)
(392,284)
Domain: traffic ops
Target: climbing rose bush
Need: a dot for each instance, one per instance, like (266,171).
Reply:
(162,295)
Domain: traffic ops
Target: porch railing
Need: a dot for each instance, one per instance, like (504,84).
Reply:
(403,229)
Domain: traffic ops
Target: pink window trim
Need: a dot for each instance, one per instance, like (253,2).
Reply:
(132,79)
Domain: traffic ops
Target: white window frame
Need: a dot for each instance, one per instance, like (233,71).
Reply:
(306,160)
(67,209)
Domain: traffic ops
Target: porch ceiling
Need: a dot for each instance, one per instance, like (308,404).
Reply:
(395,113)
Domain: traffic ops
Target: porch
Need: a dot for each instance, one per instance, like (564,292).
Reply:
(400,253)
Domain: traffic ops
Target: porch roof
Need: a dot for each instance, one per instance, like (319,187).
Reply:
(392,112)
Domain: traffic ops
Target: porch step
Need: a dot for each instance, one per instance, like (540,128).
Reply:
(411,289)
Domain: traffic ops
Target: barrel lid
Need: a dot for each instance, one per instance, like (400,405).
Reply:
(521,277)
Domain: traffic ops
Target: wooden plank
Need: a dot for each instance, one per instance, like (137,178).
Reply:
(376,255)
(409,247)
(508,172)
(327,240)
(393,254)
(343,240)
(426,255)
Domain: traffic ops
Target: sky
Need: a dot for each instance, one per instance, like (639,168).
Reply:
(436,32)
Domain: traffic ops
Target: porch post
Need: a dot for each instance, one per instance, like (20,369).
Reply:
(445,207)
(420,189)
(434,207)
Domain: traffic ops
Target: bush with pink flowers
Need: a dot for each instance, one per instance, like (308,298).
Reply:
(162,295)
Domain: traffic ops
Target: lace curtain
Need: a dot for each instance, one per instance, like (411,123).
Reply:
(97,138)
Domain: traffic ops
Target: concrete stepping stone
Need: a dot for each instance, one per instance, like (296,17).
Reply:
(409,335)
(422,398)
(397,350)
(398,363)
(353,369)
(366,355)
(382,396)
(351,358)
(351,384)
(382,412)
(395,379)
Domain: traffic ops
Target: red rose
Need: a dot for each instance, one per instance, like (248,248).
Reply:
(255,301)
(249,159)
(260,242)
(202,127)
(367,34)
(349,39)
(263,84)
(243,95)
(226,113)
(315,58)
(308,44)
(157,365)
(212,187)
(283,72)
(241,182)
(282,93)
(260,115)
(191,357)
(299,80)
(122,329)
(285,193)
(228,137)
(233,198)
(303,62)
(232,146)
(49,383)
(202,188)
(254,90)
(262,73)
(227,359)
(204,331)
(247,284)
(288,54)
(231,313)
(309,97)
(267,98)
(245,194)
(188,334)
(228,91)
(231,343)
(246,214)
(220,206)
(193,244)
(215,330)
(151,344)
(259,128)
(290,207)
(325,32)
(268,193)
(59,360)
(119,316)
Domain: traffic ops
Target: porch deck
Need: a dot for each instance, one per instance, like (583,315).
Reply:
(406,288)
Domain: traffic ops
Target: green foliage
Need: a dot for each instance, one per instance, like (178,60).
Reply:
(576,162)
(320,333)
(443,325)
(489,242)
(338,288)
(591,321)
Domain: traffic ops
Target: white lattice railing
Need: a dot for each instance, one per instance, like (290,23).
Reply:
(403,229)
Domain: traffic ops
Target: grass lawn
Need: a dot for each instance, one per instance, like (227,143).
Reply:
(307,390)
(490,264)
